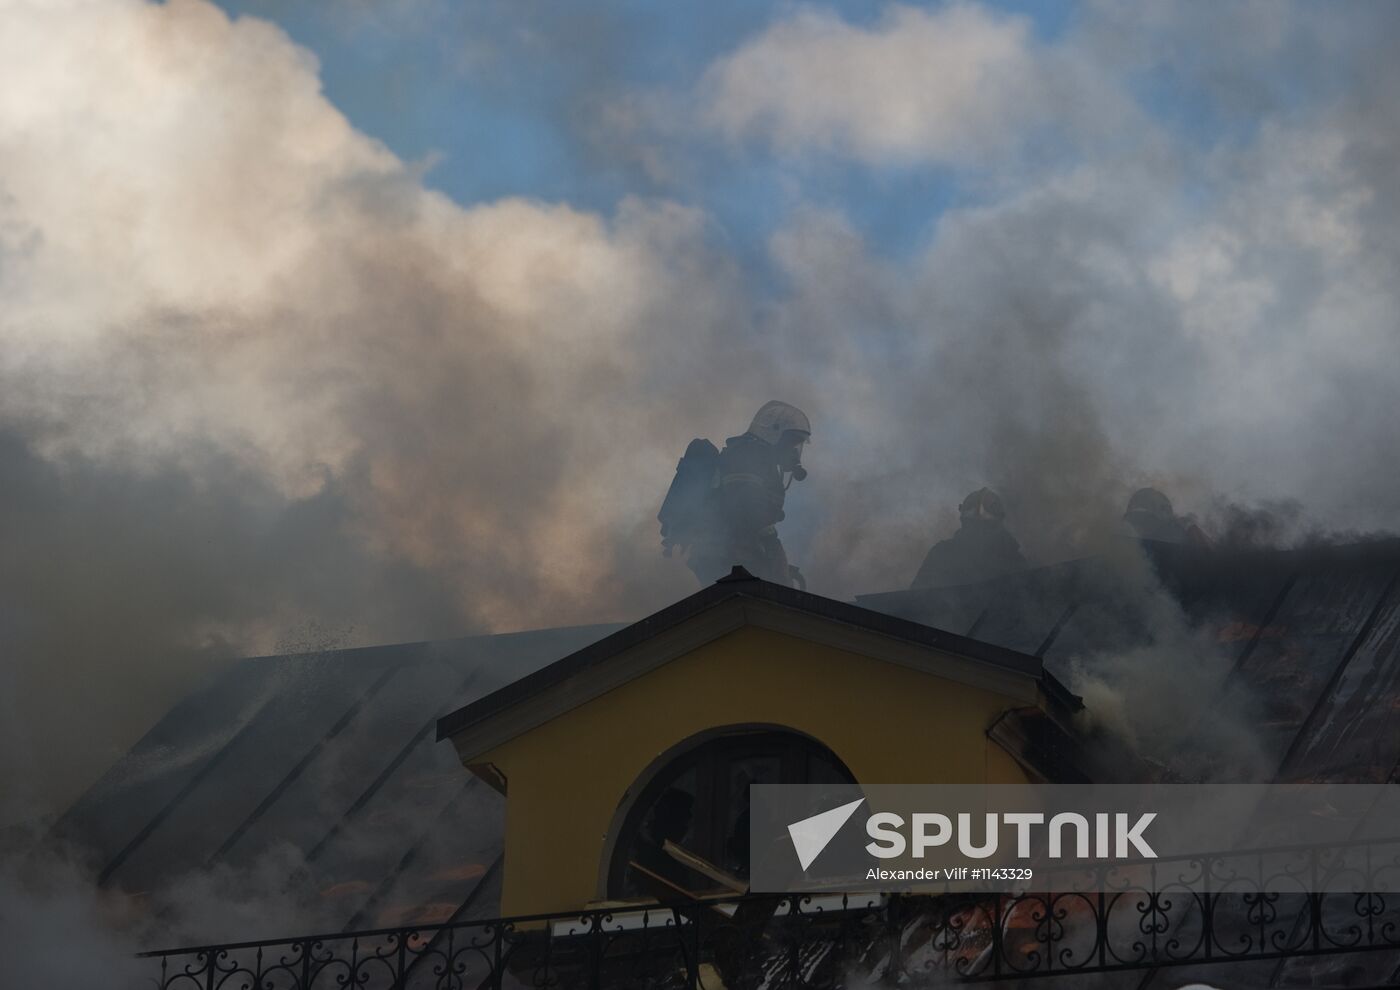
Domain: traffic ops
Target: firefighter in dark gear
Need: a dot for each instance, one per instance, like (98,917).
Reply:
(733,520)
(1151,517)
(981,549)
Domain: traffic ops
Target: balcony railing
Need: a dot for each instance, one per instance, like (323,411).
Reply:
(1198,910)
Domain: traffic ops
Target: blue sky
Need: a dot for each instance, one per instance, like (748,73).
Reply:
(500,97)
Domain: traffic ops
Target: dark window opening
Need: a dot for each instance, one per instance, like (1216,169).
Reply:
(700,802)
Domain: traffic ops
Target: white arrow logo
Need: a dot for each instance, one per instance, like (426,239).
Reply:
(811,835)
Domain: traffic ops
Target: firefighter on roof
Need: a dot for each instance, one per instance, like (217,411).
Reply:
(724,506)
(981,549)
(1151,516)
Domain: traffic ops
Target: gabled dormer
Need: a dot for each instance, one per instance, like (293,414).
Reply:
(655,733)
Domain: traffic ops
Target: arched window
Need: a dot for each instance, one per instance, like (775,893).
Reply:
(700,800)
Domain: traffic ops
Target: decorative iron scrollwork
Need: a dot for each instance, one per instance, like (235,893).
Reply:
(1202,909)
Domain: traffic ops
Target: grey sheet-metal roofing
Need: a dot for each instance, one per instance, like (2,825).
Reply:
(327,761)
(1311,638)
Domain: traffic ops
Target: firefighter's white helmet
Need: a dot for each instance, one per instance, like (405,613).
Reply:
(1150,502)
(776,418)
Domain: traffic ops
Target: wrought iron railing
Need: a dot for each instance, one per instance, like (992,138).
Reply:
(1196,910)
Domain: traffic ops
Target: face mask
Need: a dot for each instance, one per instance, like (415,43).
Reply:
(790,459)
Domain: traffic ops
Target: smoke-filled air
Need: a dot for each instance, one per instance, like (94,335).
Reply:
(275,377)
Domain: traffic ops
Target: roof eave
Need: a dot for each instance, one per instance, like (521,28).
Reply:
(732,603)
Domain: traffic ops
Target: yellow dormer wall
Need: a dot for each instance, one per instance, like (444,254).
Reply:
(888,723)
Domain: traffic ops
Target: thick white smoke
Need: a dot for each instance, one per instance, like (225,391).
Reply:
(260,388)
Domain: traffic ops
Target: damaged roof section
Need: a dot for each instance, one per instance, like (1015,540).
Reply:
(1310,639)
